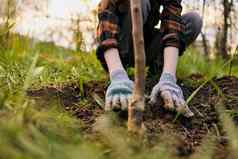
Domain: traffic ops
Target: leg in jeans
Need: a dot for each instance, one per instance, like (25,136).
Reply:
(154,52)
(193,23)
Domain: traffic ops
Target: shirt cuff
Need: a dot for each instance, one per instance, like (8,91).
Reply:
(103,47)
(174,40)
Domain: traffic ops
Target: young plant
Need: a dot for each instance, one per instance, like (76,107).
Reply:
(137,104)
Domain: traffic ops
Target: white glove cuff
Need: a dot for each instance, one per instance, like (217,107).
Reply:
(119,75)
(168,77)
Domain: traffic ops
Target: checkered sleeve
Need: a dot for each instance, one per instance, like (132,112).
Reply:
(172,26)
(108,28)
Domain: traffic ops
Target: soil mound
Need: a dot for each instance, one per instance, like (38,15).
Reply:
(189,132)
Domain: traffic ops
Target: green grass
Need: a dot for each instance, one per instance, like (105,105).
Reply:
(193,62)
(30,131)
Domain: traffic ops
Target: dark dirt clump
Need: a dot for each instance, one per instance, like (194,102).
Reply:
(188,132)
(71,97)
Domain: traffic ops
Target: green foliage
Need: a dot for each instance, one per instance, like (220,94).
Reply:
(28,130)
(8,11)
(230,129)
(206,150)
(194,63)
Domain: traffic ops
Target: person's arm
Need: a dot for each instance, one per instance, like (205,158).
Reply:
(113,60)
(172,29)
(108,27)
(171,55)
(120,89)
(172,26)
(107,32)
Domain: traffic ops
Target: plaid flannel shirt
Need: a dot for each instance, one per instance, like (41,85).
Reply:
(172,27)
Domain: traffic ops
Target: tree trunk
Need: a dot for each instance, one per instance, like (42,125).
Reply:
(203,34)
(137,104)
(205,45)
(226,15)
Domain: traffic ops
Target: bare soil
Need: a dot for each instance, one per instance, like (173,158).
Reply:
(189,132)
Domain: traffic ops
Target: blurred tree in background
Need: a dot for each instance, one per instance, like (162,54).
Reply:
(8,15)
(219,35)
(227,24)
(77,32)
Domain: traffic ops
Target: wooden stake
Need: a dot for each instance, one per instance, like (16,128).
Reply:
(137,104)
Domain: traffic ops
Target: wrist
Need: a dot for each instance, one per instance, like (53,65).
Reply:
(165,76)
(118,75)
(170,60)
(113,60)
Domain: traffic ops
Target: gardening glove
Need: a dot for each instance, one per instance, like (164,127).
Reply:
(171,94)
(119,92)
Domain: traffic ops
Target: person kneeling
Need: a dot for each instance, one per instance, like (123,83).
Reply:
(163,47)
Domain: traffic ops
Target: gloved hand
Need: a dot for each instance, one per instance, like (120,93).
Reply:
(172,95)
(119,92)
